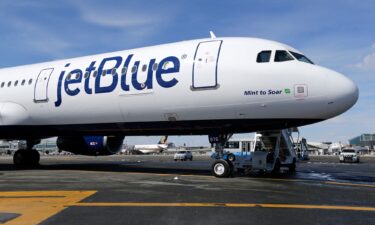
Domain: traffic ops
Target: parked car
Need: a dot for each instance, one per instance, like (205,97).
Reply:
(183,156)
(349,155)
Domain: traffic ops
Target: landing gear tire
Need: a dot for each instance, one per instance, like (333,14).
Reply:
(26,158)
(221,168)
(19,158)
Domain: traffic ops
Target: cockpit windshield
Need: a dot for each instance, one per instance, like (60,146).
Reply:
(282,56)
(301,57)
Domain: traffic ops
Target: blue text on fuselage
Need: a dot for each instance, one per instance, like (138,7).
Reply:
(118,70)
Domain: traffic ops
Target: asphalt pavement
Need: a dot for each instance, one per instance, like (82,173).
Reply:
(156,190)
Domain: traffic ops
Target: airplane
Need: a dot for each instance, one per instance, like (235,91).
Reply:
(161,146)
(213,86)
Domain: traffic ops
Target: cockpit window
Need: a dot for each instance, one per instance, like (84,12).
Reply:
(301,57)
(264,56)
(282,56)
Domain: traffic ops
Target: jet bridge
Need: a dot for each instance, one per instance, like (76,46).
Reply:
(272,150)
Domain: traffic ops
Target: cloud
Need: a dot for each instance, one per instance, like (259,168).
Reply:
(121,16)
(118,19)
(123,25)
(368,62)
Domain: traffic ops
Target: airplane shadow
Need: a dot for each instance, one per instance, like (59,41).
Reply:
(132,167)
(112,167)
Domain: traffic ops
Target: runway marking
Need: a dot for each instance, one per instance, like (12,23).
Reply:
(37,206)
(231,205)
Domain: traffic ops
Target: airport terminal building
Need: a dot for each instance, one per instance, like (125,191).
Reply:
(364,140)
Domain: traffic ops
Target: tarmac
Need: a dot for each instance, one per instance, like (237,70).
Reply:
(125,189)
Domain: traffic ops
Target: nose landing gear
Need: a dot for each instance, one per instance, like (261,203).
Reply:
(220,168)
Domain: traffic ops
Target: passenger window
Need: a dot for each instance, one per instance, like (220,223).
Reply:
(134,69)
(123,71)
(23,82)
(167,65)
(9,83)
(104,73)
(155,67)
(86,75)
(16,83)
(95,73)
(2,84)
(144,68)
(282,56)
(30,81)
(264,56)
(113,72)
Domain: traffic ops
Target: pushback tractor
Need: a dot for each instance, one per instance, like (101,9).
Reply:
(270,151)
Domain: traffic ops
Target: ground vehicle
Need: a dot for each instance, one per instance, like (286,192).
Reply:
(236,148)
(349,155)
(183,156)
(272,150)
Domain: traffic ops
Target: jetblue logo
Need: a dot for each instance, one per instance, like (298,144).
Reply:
(118,69)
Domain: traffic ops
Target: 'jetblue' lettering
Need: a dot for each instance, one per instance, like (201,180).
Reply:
(174,68)
(102,72)
(114,70)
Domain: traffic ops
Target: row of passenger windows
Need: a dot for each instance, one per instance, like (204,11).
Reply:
(281,56)
(123,71)
(16,83)
(86,75)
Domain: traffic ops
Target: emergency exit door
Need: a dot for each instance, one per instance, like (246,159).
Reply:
(205,64)
(41,85)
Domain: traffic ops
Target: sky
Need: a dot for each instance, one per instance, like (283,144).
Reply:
(339,35)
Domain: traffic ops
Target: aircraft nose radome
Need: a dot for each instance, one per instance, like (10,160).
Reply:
(350,91)
(344,94)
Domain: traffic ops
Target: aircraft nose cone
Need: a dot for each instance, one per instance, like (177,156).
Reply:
(343,94)
(349,91)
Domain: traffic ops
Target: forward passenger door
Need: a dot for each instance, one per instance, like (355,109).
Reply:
(41,86)
(205,64)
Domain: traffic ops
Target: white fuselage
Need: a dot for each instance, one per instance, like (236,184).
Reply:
(190,87)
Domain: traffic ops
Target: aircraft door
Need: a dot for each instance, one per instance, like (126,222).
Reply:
(41,86)
(205,64)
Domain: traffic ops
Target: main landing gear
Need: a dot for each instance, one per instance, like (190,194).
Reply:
(220,167)
(28,156)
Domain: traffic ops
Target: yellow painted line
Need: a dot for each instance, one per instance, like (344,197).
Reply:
(350,184)
(37,206)
(233,205)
